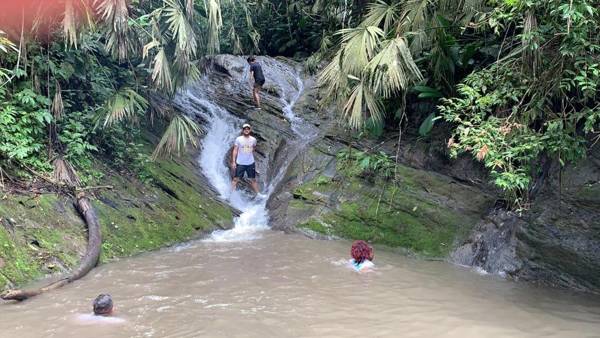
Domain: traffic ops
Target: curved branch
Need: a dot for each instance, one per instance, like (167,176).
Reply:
(88,262)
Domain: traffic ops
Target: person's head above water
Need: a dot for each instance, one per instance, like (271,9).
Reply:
(103,305)
(361,251)
(251,59)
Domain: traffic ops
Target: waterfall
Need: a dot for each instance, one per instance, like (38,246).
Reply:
(222,130)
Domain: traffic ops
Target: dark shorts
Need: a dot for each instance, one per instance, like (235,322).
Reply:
(250,170)
(259,84)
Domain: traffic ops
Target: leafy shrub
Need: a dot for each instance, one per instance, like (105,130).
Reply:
(365,164)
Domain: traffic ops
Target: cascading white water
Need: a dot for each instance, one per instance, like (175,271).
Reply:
(288,106)
(221,132)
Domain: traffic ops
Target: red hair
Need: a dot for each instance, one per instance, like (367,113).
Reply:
(361,251)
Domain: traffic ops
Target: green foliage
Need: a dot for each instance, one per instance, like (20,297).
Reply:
(365,164)
(76,137)
(23,121)
(427,125)
(71,97)
(388,52)
(541,98)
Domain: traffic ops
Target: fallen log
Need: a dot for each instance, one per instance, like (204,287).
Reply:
(88,262)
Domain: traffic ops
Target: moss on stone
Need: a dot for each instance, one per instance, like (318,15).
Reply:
(418,214)
(48,234)
(18,264)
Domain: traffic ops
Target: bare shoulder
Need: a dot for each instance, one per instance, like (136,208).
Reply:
(90,319)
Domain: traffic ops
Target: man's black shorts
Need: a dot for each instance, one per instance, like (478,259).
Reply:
(259,83)
(250,170)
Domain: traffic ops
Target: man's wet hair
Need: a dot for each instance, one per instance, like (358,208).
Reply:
(251,59)
(103,304)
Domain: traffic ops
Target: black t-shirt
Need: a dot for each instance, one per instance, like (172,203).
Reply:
(256,69)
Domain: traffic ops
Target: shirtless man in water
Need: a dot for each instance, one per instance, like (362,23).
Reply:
(103,312)
(103,305)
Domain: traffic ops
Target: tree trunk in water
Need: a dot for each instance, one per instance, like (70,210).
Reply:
(88,262)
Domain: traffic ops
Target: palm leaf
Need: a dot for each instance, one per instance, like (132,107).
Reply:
(393,69)
(414,20)
(382,13)
(215,23)
(334,80)
(161,74)
(6,44)
(116,14)
(57,107)
(124,104)
(359,45)
(64,172)
(181,131)
(180,27)
(70,24)
(362,99)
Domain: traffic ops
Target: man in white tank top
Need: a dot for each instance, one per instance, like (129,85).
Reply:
(242,158)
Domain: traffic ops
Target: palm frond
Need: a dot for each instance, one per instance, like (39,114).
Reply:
(70,24)
(235,39)
(180,27)
(186,70)
(215,23)
(530,42)
(126,103)
(359,46)
(116,14)
(333,79)
(382,13)
(361,101)
(161,74)
(57,107)
(6,44)
(189,8)
(414,20)
(393,69)
(181,131)
(64,172)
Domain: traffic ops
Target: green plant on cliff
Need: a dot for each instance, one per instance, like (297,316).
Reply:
(540,97)
(366,164)
(386,53)
(527,75)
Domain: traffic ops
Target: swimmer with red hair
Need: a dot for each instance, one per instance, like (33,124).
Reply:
(362,255)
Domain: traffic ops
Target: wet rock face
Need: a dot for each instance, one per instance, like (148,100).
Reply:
(228,85)
(492,246)
(555,243)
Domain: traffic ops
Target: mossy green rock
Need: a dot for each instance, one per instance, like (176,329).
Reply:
(44,234)
(425,213)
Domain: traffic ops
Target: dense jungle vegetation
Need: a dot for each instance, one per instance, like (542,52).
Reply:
(513,83)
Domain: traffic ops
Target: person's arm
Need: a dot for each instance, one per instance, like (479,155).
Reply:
(234,156)
(254,154)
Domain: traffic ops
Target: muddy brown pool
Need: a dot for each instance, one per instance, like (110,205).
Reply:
(288,286)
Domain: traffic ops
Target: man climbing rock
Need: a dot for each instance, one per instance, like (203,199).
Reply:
(242,159)
(256,73)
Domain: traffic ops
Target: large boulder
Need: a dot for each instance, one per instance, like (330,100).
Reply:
(556,242)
